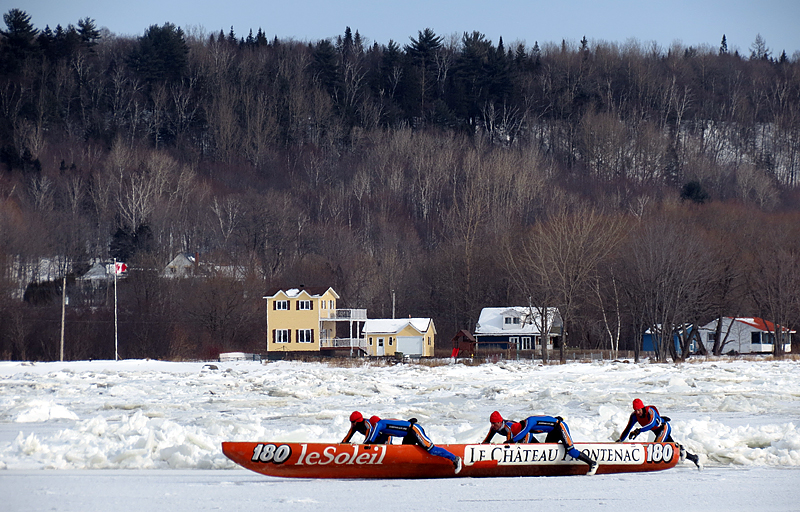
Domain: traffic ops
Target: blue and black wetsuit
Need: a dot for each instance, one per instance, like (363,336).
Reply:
(506,430)
(649,420)
(556,429)
(364,427)
(411,432)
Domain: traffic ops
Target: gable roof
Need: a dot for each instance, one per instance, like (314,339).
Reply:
(98,272)
(313,292)
(491,320)
(395,325)
(757,323)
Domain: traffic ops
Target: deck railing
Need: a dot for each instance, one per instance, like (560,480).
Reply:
(343,314)
(344,343)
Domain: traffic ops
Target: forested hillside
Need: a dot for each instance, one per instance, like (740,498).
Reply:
(628,184)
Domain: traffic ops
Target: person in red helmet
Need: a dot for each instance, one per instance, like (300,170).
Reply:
(358,423)
(503,427)
(523,431)
(649,419)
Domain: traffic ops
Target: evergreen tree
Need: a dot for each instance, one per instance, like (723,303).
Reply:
(422,52)
(391,69)
(326,67)
(261,38)
(695,192)
(88,32)
(536,53)
(519,54)
(584,46)
(723,47)
(473,73)
(18,41)
(499,74)
(161,55)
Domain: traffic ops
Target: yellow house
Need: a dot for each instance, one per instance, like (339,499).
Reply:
(308,320)
(414,337)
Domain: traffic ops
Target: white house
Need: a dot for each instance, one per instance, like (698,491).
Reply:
(516,327)
(189,265)
(744,335)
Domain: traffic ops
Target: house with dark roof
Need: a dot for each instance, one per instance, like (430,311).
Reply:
(517,327)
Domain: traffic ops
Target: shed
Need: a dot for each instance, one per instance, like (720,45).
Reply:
(463,344)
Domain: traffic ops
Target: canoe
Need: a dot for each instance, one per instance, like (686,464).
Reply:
(335,460)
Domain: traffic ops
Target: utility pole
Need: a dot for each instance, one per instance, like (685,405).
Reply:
(116,337)
(63,312)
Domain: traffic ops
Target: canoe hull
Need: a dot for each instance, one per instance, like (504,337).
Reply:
(334,460)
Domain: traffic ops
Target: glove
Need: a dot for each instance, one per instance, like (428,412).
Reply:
(560,419)
(412,420)
(635,433)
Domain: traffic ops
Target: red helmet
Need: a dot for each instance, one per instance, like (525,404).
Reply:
(638,404)
(356,417)
(495,417)
(374,420)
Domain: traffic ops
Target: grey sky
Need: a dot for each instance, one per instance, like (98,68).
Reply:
(690,22)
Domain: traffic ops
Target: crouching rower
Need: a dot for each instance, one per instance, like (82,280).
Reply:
(412,433)
(649,419)
(522,432)
(360,424)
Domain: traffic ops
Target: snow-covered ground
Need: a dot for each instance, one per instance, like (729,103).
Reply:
(136,435)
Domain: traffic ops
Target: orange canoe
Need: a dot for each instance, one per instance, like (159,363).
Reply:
(334,460)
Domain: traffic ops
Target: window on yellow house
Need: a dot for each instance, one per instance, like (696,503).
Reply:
(281,305)
(281,335)
(305,336)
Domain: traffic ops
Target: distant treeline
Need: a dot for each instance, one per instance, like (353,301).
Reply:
(433,178)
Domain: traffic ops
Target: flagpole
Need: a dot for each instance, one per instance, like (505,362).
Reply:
(116,339)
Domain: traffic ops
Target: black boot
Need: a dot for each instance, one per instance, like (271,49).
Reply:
(694,458)
(592,464)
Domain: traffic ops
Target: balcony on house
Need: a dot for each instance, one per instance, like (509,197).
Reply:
(343,315)
(336,336)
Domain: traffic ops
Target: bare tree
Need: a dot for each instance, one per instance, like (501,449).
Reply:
(665,277)
(565,251)
(613,326)
(228,212)
(774,279)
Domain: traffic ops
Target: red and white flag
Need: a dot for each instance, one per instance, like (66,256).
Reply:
(120,267)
